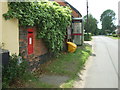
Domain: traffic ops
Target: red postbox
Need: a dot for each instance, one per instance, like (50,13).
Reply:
(30,40)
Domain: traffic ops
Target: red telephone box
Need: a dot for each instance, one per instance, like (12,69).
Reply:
(77,33)
(30,41)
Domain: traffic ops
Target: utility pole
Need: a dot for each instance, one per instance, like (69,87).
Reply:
(87,14)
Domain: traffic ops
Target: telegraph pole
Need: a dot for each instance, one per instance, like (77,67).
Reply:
(87,14)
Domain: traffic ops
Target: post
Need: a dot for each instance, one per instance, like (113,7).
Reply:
(87,14)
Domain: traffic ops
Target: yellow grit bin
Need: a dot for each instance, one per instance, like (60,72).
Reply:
(71,47)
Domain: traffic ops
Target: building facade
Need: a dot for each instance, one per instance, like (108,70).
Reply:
(9,31)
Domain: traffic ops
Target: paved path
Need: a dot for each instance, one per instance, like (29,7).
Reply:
(56,80)
(103,68)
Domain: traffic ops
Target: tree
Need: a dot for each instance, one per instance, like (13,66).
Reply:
(107,19)
(91,25)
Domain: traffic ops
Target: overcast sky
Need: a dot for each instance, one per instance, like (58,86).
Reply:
(96,7)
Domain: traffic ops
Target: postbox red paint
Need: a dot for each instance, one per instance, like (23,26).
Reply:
(30,41)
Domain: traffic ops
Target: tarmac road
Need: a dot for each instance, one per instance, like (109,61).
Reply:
(103,71)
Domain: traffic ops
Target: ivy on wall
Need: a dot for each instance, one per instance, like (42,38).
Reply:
(50,18)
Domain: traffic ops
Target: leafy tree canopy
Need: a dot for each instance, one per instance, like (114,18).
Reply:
(107,19)
(91,25)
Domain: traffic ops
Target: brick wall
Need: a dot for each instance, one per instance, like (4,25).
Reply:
(40,54)
(39,46)
(23,42)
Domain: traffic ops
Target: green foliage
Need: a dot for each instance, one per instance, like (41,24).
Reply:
(87,36)
(69,63)
(50,18)
(13,70)
(91,25)
(114,35)
(29,80)
(107,18)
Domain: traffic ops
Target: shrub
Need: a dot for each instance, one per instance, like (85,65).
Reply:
(87,36)
(114,35)
(13,70)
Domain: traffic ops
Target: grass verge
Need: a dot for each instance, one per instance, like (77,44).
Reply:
(28,80)
(69,64)
(114,37)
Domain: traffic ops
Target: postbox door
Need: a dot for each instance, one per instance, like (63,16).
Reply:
(30,42)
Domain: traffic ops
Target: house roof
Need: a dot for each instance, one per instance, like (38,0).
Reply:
(69,5)
(73,8)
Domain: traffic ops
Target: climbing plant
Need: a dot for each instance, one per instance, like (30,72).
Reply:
(50,18)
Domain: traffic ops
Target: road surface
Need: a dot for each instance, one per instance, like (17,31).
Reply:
(103,71)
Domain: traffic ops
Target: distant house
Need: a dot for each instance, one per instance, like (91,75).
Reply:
(117,31)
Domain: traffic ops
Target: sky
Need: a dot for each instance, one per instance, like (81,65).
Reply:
(96,7)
